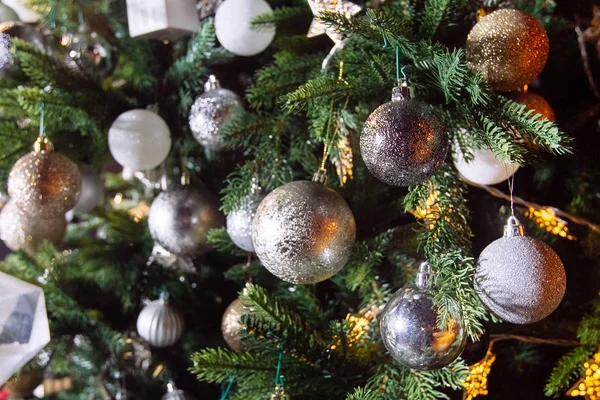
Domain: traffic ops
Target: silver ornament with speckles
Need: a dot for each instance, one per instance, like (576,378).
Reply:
(519,278)
(403,142)
(231,324)
(239,223)
(180,218)
(303,232)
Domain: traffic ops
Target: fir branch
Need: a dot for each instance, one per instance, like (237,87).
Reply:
(220,240)
(216,365)
(433,13)
(569,367)
(281,16)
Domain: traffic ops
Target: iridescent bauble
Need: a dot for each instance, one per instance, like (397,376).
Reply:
(181,217)
(410,332)
(210,112)
(519,278)
(509,48)
(139,139)
(92,190)
(19,231)
(176,394)
(533,101)
(303,232)
(45,184)
(403,142)
(231,325)
(159,324)
(483,168)
(240,221)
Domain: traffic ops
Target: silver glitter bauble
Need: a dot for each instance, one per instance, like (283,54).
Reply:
(210,112)
(519,278)
(410,331)
(239,223)
(26,32)
(92,190)
(403,142)
(159,324)
(181,217)
(19,231)
(44,183)
(231,325)
(303,232)
(176,394)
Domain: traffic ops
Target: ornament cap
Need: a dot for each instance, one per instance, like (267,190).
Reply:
(42,145)
(513,227)
(211,84)
(320,177)
(423,280)
(401,92)
(171,387)
(185,178)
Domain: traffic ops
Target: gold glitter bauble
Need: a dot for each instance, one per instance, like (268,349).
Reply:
(44,183)
(19,231)
(533,102)
(231,325)
(509,48)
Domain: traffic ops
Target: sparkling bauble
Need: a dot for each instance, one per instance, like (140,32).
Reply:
(410,332)
(279,393)
(231,325)
(519,278)
(175,394)
(403,142)
(139,139)
(533,101)
(159,324)
(303,232)
(234,31)
(19,231)
(88,51)
(44,183)
(21,31)
(509,48)
(240,221)
(475,351)
(210,112)
(484,168)
(181,217)
(7,14)
(92,190)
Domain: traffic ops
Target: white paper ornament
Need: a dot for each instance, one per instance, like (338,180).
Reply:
(139,139)
(24,329)
(7,14)
(92,190)
(233,26)
(160,324)
(484,168)
(162,19)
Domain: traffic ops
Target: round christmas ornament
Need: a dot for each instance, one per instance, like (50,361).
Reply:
(88,51)
(7,14)
(303,232)
(20,231)
(410,331)
(44,183)
(403,142)
(233,27)
(159,324)
(509,48)
(181,217)
(139,139)
(175,394)
(92,190)
(231,325)
(240,221)
(211,111)
(18,30)
(520,279)
(484,168)
(533,102)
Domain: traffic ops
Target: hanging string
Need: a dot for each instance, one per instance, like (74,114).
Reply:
(229,385)
(80,17)
(42,125)
(278,377)
(511,187)
(52,17)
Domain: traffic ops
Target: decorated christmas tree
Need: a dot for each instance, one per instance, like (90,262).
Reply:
(244,199)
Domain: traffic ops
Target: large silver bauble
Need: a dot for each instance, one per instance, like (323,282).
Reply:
(231,324)
(520,279)
(209,113)
(181,217)
(159,324)
(303,232)
(19,231)
(410,332)
(403,142)
(239,223)
(92,190)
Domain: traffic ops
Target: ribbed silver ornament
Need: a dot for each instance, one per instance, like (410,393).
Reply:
(159,324)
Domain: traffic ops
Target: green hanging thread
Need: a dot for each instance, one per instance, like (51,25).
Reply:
(229,385)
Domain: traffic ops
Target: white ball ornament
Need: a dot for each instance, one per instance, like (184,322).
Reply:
(7,14)
(159,324)
(92,190)
(484,168)
(139,139)
(239,223)
(233,27)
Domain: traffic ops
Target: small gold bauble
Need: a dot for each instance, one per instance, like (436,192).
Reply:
(533,102)
(231,325)
(509,48)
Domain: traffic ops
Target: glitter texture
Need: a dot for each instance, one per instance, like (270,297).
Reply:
(317,27)
(21,232)
(509,48)
(45,184)
(180,219)
(303,232)
(209,113)
(520,279)
(410,333)
(239,223)
(231,325)
(533,102)
(403,142)
(6,56)
(159,324)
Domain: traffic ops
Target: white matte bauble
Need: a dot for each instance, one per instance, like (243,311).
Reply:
(484,168)
(233,27)
(7,14)
(92,190)
(139,139)
(159,324)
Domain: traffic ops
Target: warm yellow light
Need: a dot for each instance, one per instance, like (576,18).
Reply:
(588,385)
(118,198)
(546,219)
(140,211)
(476,383)
(344,164)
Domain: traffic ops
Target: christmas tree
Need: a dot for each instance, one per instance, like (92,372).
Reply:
(311,200)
